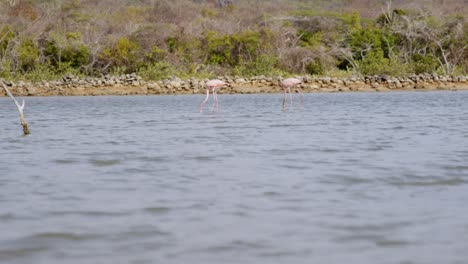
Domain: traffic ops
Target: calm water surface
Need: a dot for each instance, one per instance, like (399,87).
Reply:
(349,178)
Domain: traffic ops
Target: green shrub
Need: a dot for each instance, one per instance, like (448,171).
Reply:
(365,40)
(424,64)
(76,55)
(46,71)
(246,46)
(218,48)
(236,49)
(263,65)
(376,64)
(156,54)
(6,35)
(123,55)
(28,55)
(315,68)
(172,44)
(67,49)
(158,71)
(6,71)
(309,39)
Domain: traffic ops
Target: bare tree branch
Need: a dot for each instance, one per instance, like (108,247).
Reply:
(24,124)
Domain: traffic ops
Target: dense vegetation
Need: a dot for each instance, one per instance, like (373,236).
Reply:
(44,39)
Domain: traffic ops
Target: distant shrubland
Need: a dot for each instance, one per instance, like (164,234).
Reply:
(45,39)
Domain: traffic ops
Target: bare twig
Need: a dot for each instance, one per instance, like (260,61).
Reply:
(26,130)
(388,13)
(11,3)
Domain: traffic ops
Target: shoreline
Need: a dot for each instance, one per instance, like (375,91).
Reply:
(131,84)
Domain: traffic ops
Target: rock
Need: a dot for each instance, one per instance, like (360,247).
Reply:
(340,82)
(31,91)
(384,78)
(326,80)
(398,84)
(175,83)
(152,85)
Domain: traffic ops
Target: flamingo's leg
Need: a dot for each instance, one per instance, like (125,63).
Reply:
(204,101)
(290,96)
(215,100)
(284,99)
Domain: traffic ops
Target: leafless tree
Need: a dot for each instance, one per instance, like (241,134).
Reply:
(444,48)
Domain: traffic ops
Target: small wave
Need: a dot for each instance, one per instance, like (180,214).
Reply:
(359,237)
(429,182)
(14,140)
(111,142)
(89,213)
(65,161)
(65,197)
(236,245)
(279,253)
(61,236)
(15,217)
(143,169)
(377,239)
(141,232)
(373,227)
(391,243)
(229,127)
(290,125)
(330,150)
(376,148)
(154,159)
(271,194)
(200,158)
(157,210)
(7,216)
(12,253)
(104,162)
(286,152)
(294,167)
(345,179)
(458,168)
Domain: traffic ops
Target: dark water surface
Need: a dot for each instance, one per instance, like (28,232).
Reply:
(350,178)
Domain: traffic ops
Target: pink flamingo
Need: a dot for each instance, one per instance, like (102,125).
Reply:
(212,85)
(286,84)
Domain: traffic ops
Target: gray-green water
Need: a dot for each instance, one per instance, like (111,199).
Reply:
(350,178)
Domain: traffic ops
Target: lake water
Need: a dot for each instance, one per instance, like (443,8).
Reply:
(348,178)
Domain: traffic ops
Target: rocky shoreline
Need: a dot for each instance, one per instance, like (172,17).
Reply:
(132,84)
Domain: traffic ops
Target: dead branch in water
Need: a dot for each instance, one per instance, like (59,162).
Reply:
(20,109)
